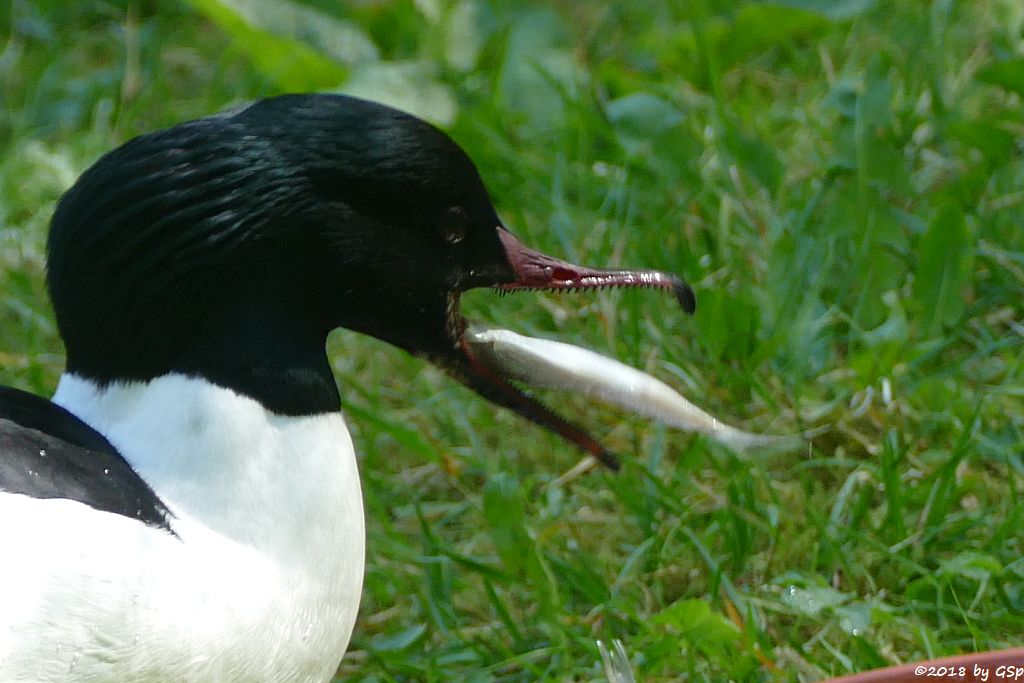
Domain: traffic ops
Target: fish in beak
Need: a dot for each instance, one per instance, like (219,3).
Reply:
(469,357)
(492,362)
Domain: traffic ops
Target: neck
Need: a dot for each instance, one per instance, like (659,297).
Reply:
(223,460)
(257,351)
(271,361)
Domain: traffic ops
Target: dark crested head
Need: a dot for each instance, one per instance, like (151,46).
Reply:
(228,247)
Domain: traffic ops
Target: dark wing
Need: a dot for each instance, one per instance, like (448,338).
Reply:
(46,452)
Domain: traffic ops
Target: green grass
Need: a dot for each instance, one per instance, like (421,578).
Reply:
(843,185)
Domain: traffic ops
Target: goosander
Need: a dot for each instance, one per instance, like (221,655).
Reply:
(187,507)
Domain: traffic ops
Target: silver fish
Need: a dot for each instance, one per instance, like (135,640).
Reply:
(556,365)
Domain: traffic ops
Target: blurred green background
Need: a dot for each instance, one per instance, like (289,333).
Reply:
(842,182)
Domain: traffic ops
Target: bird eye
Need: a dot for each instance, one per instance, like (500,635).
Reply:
(453,225)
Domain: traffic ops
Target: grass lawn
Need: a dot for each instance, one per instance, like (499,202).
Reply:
(841,180)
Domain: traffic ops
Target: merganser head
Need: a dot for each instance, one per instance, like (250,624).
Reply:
(230,246)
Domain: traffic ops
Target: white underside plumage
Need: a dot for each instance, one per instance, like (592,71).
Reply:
(261,581)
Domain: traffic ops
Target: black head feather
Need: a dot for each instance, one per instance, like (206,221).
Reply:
(231,245)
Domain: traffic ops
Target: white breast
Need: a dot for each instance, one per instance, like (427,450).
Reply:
(260,583)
